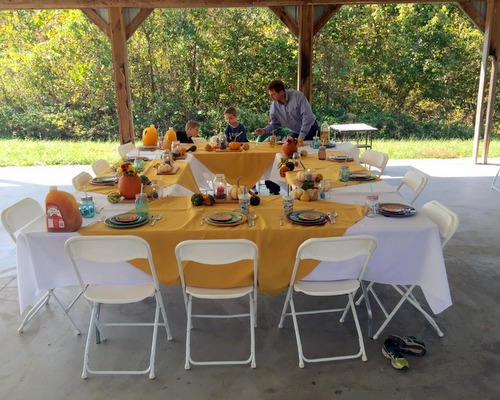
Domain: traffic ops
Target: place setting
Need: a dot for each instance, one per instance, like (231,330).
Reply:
(307,217)
(104,181)
(126,220)
(226,218)
(396,210)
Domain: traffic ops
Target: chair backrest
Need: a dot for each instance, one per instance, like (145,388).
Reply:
(374,158)
(415,180)
(20,214)
(446,220)
(100,166)
(199,141)
(81,179)
(123,149)
(108,249)
(216,252)
(336,249)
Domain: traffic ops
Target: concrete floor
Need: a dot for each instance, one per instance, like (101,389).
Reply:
(45,361)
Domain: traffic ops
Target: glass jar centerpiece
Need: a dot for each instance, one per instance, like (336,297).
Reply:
(219,185)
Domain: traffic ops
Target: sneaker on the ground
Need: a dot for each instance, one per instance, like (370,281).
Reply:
(391,351)
(409,345)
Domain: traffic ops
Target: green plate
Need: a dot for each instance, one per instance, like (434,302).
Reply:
(113,223)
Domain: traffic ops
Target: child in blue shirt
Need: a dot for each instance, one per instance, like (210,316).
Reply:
(235,132)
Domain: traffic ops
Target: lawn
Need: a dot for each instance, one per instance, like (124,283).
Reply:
(29,152)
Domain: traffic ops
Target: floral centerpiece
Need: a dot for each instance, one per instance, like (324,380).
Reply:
(129,181)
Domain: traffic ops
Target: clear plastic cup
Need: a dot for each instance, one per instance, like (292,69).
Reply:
(371,204)
(287,204)
(244,201)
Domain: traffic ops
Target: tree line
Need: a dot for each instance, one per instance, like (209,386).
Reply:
(410,70)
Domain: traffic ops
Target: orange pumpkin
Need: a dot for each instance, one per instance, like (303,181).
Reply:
(289,147)
(129,186)
(234,145)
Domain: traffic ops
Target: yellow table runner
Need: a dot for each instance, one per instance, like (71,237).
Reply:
(329,169)
(249,164)
(183,176)
(277,244)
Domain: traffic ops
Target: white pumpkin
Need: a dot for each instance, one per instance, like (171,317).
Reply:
(313,194)
(234,191)
(301,176)
(296,193)
(164,168)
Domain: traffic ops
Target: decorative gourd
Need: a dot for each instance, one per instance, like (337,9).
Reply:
(246,146)
(235,190)
(289,147)
(129,186)
(301,176)
(313,194)
(234,146)
(164,168)
(296,193)
(150,136)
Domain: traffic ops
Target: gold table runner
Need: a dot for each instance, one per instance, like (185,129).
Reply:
(277,244)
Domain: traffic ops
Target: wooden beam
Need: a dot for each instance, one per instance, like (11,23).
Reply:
(137,21)
(490,109)
(474,14)
(80,4)
(122,83)
(285,18)
(325,17)
(97,19)
(306,27)
(482,80)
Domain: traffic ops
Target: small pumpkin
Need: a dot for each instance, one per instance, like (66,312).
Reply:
(301,176)
(246,146)
(296,193)
(208,147)
(289,147)
(313,194)
(129,186)
(235,190)
(234,146)
(164,168)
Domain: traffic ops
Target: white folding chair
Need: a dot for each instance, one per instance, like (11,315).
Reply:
(14,218)
(447,222)
(80,180)
(100,166)
(414,180)
(494,180)
(355,250)
(111,249)
(125,148)
(210,254)
(374,159)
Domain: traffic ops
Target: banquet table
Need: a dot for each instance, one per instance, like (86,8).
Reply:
(42,263)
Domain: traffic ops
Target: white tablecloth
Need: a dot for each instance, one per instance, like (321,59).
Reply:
(409,252)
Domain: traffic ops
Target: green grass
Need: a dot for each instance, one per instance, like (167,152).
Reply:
(29,153)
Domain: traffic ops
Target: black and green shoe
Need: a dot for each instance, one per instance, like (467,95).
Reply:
(391,350)
(409,345)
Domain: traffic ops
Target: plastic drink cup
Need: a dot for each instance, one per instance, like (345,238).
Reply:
(287,204)
(371,204)
(244,200)
(272,140)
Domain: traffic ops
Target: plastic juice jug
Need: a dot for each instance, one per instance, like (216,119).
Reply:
(324,135)
(170,136)
(150,136)
(62,213)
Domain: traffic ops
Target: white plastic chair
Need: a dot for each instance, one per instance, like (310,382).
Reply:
(447,222)
(415,180)
(374,159)
(494,180)
(100,166)
(211,253)
(111,249)
(125,148)
(80,180)
(357,251)
(14,218)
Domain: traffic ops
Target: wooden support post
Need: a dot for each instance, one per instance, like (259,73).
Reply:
(490,109)
(122,83)
(306,30)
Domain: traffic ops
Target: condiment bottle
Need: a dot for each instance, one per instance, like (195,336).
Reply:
(170,136)
(61,211)
(322,153)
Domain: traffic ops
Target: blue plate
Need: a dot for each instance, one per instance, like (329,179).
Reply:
(113,222)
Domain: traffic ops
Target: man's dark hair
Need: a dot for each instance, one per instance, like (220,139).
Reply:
(276,85)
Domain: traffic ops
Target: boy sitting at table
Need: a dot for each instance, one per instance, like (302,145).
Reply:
(192,129)
(235,131)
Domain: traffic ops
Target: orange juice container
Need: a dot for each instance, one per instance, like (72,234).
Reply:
(61,211)
(170,136)
(150,136)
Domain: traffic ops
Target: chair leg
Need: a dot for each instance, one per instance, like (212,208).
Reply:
(92,324)
(66,309)
(297,334)
(285,307)
(252,318)
(159,300)
(153,340)
(189,326)
(358,327)
(39,304)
